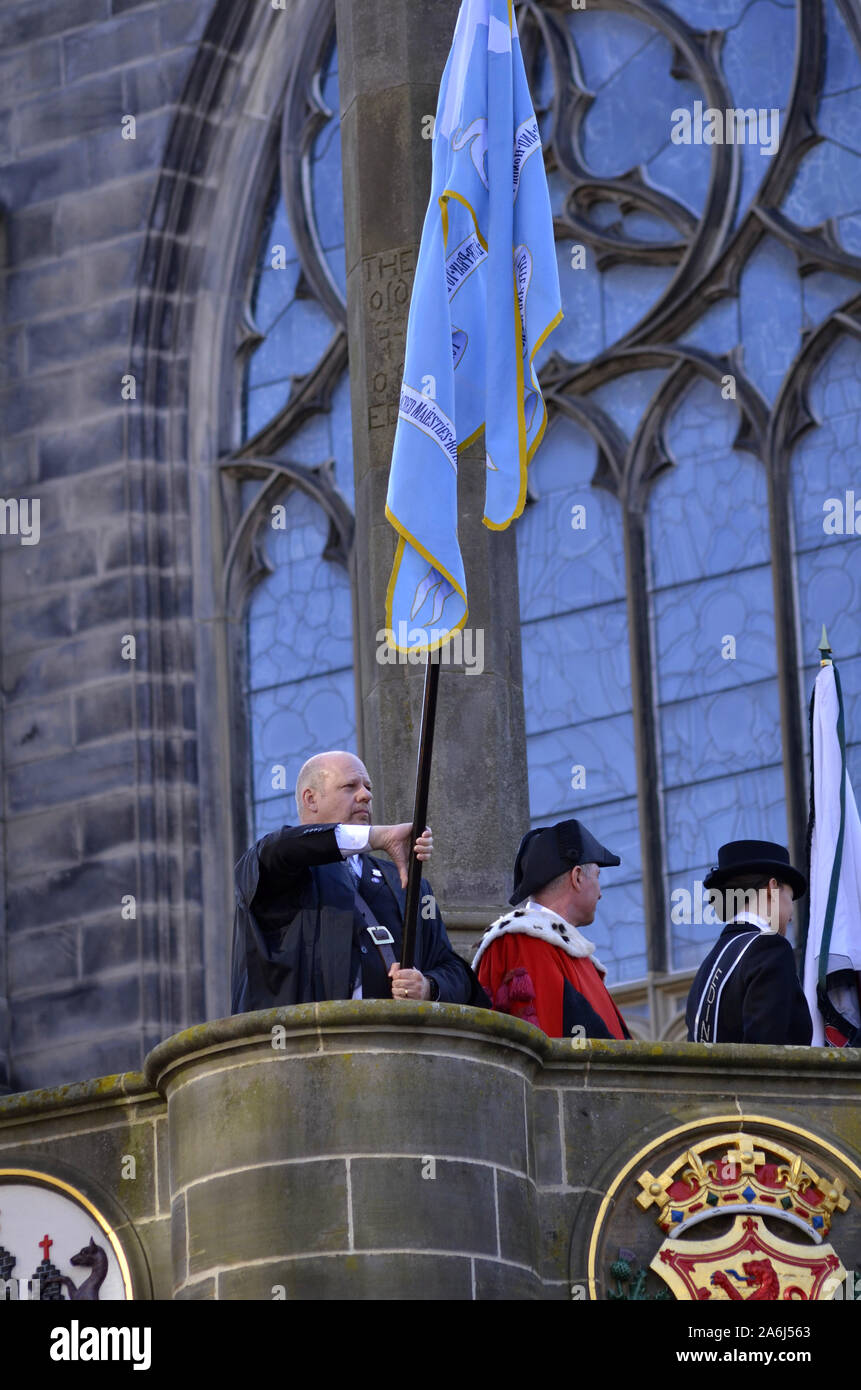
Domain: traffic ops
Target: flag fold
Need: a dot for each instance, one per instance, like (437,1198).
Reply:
(485,297)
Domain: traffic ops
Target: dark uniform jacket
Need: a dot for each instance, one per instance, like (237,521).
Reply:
(298,937)
(759,1001)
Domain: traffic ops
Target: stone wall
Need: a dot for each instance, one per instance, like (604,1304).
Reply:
(124,274)
(81,750)
(372,1150)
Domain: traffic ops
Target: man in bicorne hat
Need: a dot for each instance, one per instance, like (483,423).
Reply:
(747,988)
(535,963)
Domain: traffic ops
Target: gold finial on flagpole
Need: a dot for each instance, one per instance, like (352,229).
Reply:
(825,648)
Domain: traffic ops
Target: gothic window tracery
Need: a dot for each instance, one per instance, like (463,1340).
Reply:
(289,562)
(705,397)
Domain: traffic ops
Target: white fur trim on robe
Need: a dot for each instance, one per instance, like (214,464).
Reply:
(531,919)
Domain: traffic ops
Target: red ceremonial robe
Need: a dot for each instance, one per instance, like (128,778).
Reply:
(526,977)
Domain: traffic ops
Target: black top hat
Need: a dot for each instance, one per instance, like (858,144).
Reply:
(742,857)
(547,852)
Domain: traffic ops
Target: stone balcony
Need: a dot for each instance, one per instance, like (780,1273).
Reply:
(371,1150)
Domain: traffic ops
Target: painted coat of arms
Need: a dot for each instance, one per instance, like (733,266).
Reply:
(82,1258)
(758,1183)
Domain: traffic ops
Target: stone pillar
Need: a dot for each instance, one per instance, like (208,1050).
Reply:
(391,57)
(331,1151)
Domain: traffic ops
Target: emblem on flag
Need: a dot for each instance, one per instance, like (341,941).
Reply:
(485,298)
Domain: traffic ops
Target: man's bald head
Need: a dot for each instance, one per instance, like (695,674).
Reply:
(313,773)
(334,788)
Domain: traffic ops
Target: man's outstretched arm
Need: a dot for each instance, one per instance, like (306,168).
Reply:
(289,852)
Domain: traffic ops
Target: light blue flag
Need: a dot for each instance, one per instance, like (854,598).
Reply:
(485,297)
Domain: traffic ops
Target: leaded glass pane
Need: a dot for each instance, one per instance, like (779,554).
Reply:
(771,315)
(568,559)
(577,684)
(629,291)
(329,434)
(594,645)
(290,724)
(300,649)
(627,398)
(300,686)
(705,515)
(579,764)
(620,133)
(327,199)
(713,633)
(826,483)
(617,930)
(719,328)
(581,333)
(758,58)
(829,178)
(297,338)
(604,49)
(709,565)
(700,818)
(822,292)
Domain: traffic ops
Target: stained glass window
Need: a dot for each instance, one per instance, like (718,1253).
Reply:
(576,676)
(826,490)
(300,683)
(714,309)
(721,754)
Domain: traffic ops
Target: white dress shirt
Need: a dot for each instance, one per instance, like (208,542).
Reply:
(352,840)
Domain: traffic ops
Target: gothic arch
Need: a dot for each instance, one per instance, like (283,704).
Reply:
(190,339)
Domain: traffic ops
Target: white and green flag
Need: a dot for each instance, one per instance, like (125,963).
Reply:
(832,963)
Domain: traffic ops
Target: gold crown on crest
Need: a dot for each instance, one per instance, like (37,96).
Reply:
(728,1173)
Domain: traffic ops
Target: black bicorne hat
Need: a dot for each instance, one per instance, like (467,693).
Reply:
(547,852)
(742,857)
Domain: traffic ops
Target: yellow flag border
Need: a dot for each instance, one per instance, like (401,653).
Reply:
(405,537)
(525,455)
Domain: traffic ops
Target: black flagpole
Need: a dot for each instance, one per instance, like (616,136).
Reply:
(414,878)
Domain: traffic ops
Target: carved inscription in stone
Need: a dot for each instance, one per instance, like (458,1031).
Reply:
(388,282)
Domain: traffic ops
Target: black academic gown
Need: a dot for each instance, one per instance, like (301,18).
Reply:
(762,1000)
(297,937)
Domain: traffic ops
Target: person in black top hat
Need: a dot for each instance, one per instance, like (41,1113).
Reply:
(747,988)
(535,963)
